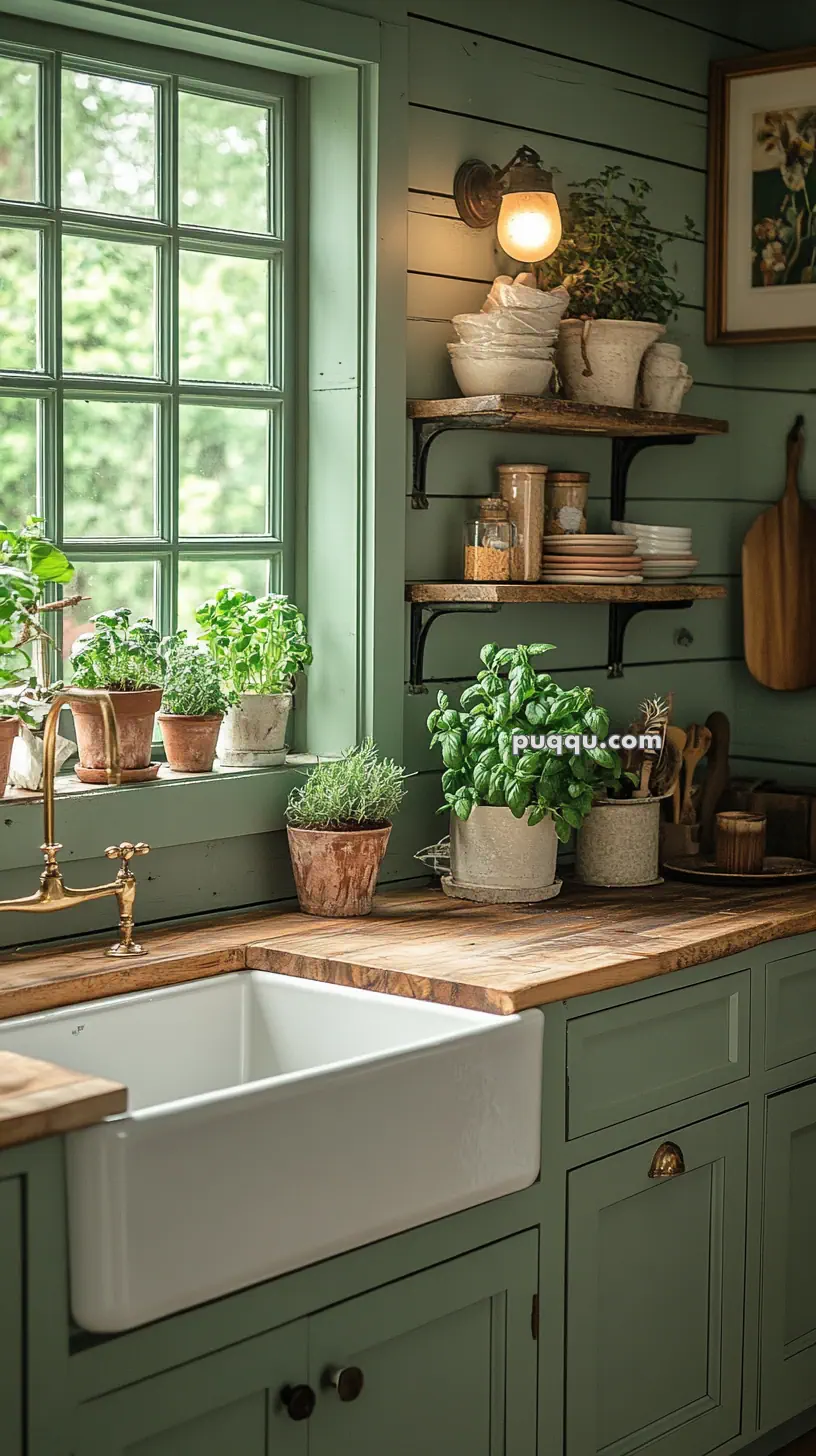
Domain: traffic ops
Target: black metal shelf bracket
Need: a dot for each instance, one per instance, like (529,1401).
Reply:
(420,627)
(624,450)
(620,615)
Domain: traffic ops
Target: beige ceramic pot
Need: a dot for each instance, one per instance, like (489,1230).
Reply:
(8,732)
(599,359)
(336,870)
(495,851)
(618,843)
(253,733)
(135,715)
(189,740)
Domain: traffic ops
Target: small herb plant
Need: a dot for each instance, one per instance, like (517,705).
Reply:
(259,643)
(27,562)
(477,743)
(360,790)
(192,686)
(118,655)
(610,256)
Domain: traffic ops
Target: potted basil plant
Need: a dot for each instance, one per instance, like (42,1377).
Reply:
(259,645)
(509,803)
(192,707)
(126,660)
(338,825)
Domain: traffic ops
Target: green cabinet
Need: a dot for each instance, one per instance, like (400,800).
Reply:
(655,1294)
(11,1317)
(788,1335)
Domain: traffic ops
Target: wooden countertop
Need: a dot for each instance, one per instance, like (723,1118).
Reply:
(38,1099)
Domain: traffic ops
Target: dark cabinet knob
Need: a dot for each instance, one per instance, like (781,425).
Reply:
(348,1381)
(299,1401)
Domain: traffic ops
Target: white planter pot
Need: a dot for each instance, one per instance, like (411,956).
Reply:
(492,850)
(618,843)
(253,734)
(614,349)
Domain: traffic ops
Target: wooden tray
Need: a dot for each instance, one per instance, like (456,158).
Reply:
(777,869)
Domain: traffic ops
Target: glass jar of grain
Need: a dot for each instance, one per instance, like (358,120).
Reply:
(565,500)
(522,487)
(489,542)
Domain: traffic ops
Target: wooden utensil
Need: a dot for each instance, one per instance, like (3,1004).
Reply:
(779,585)
(717,776)
(677,736)
(698,741)
(666,773)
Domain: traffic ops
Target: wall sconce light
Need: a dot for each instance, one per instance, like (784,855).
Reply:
(520,196)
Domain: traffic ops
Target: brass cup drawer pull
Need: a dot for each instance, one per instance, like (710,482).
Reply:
(668,1162)
(348,1381)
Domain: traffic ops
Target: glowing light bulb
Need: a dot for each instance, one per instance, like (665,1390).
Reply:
(529,226)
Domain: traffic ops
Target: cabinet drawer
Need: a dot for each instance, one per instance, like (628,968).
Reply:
(656,1051)
(790,1008)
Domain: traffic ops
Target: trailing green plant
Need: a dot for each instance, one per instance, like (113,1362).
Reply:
(359,790)
(259,643)
(476,740)
(191,684)
(611,258)
(118,655)
(27,562)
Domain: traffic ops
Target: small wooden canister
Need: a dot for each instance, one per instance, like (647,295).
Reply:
(565,500)
(740,842)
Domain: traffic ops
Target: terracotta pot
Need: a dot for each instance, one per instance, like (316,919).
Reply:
(8,733)
(134,714)
(336,869)
(189,740)
(614,349)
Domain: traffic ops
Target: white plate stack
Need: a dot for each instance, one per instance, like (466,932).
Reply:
(590,560)
(666,550)
(508,347)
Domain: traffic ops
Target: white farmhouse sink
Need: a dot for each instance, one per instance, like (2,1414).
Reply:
(274,1122)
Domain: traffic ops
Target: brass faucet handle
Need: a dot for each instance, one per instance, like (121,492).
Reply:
(125,851)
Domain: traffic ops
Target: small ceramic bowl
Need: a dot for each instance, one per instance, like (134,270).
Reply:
(501,375)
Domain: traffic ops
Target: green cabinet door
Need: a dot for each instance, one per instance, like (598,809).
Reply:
(227,1404)
(11,1317)
(655,1287)
(788,1336)
(447,1359)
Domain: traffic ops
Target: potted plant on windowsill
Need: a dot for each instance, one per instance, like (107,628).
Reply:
(125,659)
(259,645)
(192,707)
(338,825)
(622,290)
(510,800)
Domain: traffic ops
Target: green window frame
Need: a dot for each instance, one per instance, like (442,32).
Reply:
(263,558)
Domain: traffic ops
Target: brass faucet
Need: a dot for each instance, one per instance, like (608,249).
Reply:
(53,894)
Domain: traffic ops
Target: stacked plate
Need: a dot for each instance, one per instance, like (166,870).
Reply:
(508,347)
(590,559)
(666,550)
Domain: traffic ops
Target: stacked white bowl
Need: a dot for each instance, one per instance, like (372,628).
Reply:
(666,551)
(508,347)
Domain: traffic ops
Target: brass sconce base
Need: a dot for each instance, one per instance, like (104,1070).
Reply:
(477,194)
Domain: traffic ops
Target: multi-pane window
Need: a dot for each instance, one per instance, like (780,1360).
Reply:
(144,343)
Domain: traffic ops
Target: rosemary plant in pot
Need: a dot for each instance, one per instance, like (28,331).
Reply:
(125,658)
(259,645)
(622,289)
(517,775)
(338,825)
(192,707)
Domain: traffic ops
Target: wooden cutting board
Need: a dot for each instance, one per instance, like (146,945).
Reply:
(779,585)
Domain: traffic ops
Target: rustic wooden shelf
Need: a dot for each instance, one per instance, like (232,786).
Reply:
(630,430)
(432,599)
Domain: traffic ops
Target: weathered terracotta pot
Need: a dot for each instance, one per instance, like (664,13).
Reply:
(189,740)
(612,350)
(336,870)
(253,734)
(8,733)
(134,713)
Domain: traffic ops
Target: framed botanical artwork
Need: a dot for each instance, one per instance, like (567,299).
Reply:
(761,228)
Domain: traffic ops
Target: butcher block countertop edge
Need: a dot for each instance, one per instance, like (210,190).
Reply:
(38,1099)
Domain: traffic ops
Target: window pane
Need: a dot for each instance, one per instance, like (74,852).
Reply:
(19,84)
(223,318)
(108,584)
(109,466)
(223,164)
(18,459)
(19,298)
(199,580)
(108,307)
(223,470)
(108,144)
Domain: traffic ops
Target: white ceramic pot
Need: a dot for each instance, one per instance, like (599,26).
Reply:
(612,352)
(502,374)
(493,850)
(665,394)
(618,843)
(253,734)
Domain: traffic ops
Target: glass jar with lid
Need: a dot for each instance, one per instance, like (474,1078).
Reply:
(565,502)
(489,542)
